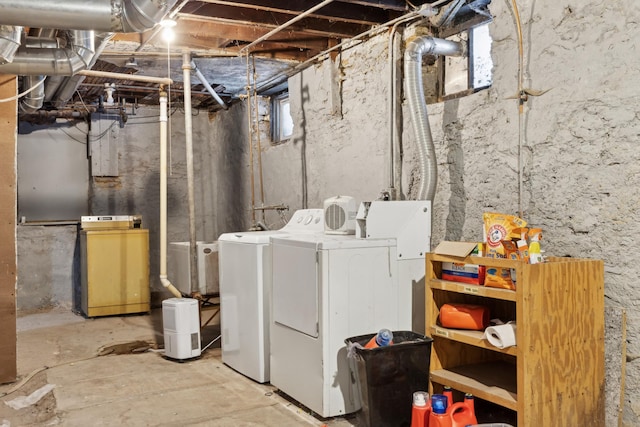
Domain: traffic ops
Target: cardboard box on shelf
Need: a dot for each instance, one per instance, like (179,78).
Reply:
(459,271)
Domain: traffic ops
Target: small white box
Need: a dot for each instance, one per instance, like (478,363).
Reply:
(181,324)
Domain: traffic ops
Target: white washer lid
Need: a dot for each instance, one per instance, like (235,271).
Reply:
(250,237)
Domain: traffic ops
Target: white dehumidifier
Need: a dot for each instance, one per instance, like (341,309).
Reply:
(181,323)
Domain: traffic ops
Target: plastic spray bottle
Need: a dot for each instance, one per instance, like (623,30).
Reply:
(383,338)
(523,247)
(535,255)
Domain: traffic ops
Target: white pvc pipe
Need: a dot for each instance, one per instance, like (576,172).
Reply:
(163,196)
(122,76)
(206,84)
(188,135)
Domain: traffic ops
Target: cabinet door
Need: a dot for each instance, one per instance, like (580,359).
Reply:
(295,288)
(117,263)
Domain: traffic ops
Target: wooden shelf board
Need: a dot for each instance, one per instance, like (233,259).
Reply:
(481,291)
(493,381)
(474,338)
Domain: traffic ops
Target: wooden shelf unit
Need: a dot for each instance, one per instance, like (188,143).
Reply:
(555,373)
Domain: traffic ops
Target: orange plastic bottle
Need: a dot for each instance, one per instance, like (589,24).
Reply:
(449,393)
(439,416)
(469,400)
(461,415)
(383,338)
(421,409)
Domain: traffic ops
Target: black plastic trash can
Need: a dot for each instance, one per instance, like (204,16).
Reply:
(388,376)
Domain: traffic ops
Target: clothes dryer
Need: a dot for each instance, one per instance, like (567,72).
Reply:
(327,288)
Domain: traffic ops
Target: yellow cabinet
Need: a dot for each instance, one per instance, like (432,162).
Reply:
(115,272)
(554,376)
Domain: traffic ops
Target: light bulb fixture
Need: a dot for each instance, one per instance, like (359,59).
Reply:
(168,23)
(168,34)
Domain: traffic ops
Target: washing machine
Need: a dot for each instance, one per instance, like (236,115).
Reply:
(245,292)
(327,288)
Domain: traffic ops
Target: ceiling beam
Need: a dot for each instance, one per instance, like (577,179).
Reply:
(271,20)
(398,5)
(343,12)
(247,31)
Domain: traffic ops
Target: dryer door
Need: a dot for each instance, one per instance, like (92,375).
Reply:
(295,287)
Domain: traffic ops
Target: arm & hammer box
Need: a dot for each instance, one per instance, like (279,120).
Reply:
(459,271)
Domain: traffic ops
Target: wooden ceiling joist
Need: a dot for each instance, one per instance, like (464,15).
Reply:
(337,11)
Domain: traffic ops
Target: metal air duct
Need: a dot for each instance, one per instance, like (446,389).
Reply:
(416,48)
(118,16)
(68,86)
(32,101)
(58,61)
(9,42)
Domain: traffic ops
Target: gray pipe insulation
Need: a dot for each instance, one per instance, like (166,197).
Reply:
(416,49)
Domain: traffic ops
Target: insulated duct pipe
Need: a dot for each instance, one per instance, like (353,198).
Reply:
(68,86)
(54,62)
(163,196)
(117,16)
(32,101)
(416,48)
(188,136)
(206,84)
(9,42)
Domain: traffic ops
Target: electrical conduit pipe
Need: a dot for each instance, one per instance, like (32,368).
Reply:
(163,196)
(416,48)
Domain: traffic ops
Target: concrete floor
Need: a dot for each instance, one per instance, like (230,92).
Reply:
(134,389)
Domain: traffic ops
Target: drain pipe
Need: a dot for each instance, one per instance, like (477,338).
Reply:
(163,196)
(206,84)
(416,48)
(188,135)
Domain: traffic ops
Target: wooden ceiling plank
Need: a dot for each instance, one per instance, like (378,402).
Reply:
(398,5)
(230,33)
(352,13)
(273,20)
(255,30)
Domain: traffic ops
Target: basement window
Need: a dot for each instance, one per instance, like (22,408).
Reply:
(281,121)
(453,77)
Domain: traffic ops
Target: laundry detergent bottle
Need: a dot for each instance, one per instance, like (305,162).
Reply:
(439,416)
(421,409)
(461,415)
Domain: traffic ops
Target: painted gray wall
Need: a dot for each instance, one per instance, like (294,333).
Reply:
(48,260)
